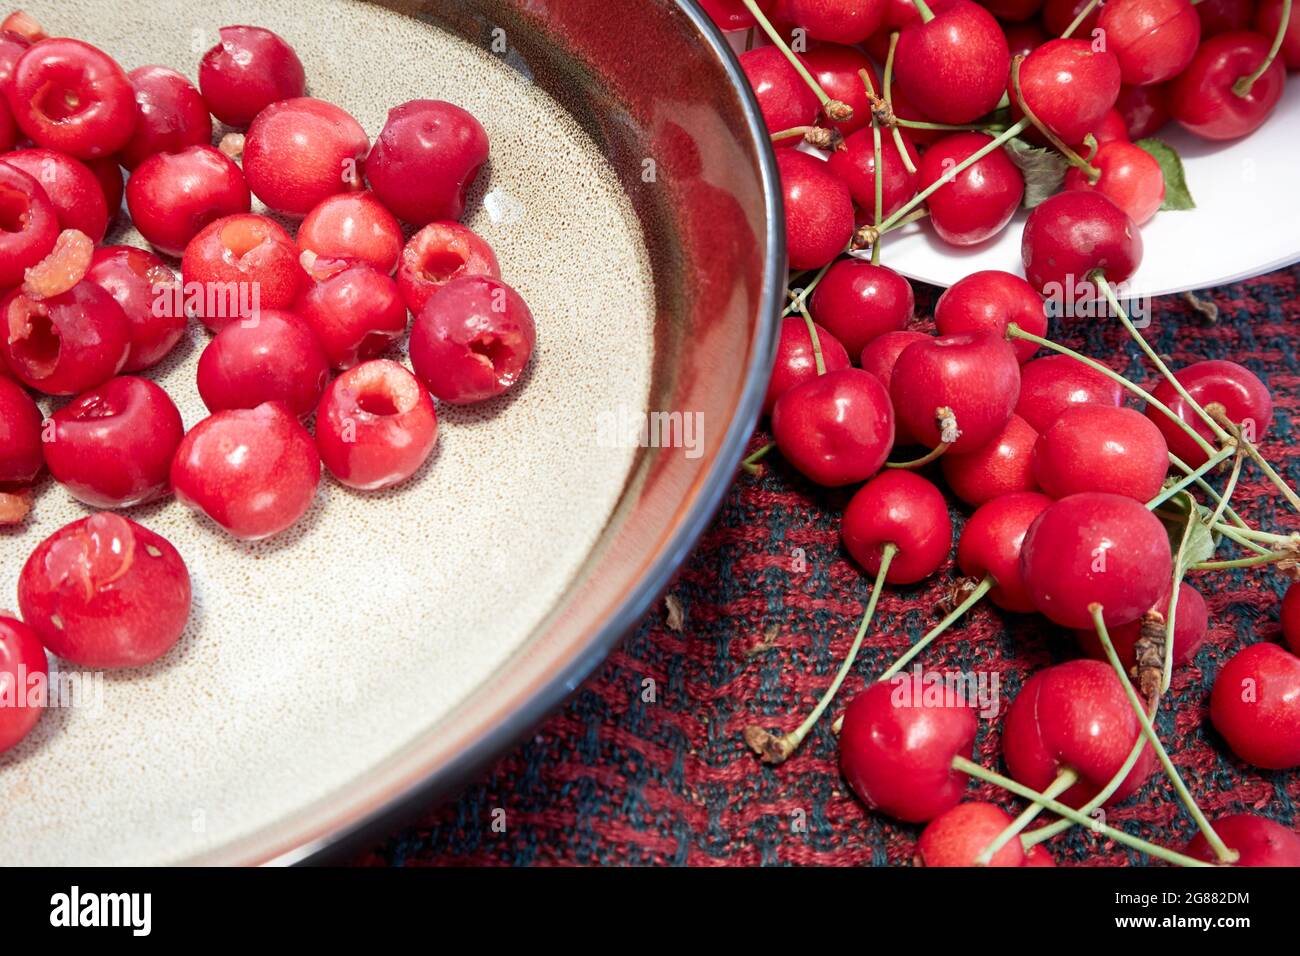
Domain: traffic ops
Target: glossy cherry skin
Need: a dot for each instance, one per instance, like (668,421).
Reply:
(68,95)
(999,467)
(974,376)
(136,279)
(8,129)
(71,187)
(438,253)
(1201,99)
(1268,16)
(376,426)
(896,749)
(1069,86)
(835,68)
(879,358)
(12,47)
(1237,390)
(23,673)
(425,160)
(299,152)
(472,340)
(111,181)
(1096,548)
(67,343)
(783,98)
(353,226)
(1110,129)
(956,838)
(855,164)
(29,224)
(837,429)
(989,301)
(1145,109)
(1255,705)
(1024,38)
(1012,11)
(841,21)
(1074,715)
(173,196)
(1059,14)
(250,69)
(1259,841)
(858,301)
(1153,40)
(732,14)
(903,509)
(977,202)
(954,67)
(1191,623)
(252,471)
(1221,16)
(1101,448)
(21,455)
(356,314)
(1050,385)
(1071,234)
(170,115)
(273,358)
(1290,617)
(1130,177)
(818,210)
(990,545)
(112,447)
(796,363)
(238,265)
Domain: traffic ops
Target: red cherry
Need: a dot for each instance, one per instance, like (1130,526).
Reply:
(897,746)
(438,253)
(783,98)
(1012,11)
(843,21)
(955,66)
(902,509)
(1025,38)
(1069,86)
(105,592)
(252,471)
(1059,14)
(109,175)
(880,357)
(1258,840)
(1190,626)
(1255,705)
(21,454)
(1202,98)
(173,196)
(250,69)
(1268,16)
(1096,548)
(240,264)
(1130,177)
(1290,614)
(958,836)
(1145,109)
(1050,385)
(23,670)
(67,343)
(732,14)
(991,541)
(835,68)
(837,428)
(170,115)
(376,426)
(989,301)
(1153,40)
(1111,129)
(12,47)
(353,226)
(795,361)
(273,358)
(29,224)
(977,202)
(8,129)
(425,159)
(1070,235)
(70,96)
(356,313)
(113,446)
(855,164)
(136,279)
(1221,16)
(71,187)
(818,210)
(1245,400)
(857,301)
(1037,855)
(472,340)
(1074,715)
(1101,448)
(301,151)
(972,377)
(1002,466)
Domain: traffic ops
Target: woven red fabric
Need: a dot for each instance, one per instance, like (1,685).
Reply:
(771,603)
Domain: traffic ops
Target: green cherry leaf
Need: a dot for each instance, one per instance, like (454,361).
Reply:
(1043,169)
(1177,195)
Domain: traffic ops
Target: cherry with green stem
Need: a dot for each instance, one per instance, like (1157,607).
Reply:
(1083,15)
(1070,155)
(1189,479)
(1066,779)
(834,109)
(1240,532)
(1243,85)
(887,86)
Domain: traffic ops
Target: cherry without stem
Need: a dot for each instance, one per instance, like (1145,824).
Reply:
(437,254)
(1223,16)
(299,152)
(21,455)
(135,278)
(1145,109)
(22,666)
(988,301)
(69,96)
(247,255)
(1153,40)
(1002,466)
(173,196)
(72,188)
(957,837)
(784,99)
(353,226)
(880,358)
(902,509)
(1101,448)
(977,202)
(1054,383)
(275,358)
(991,541)
(247,71)
(355,312)
(818,210)
(1268,17)
(1290,618)
(796,361)
(842,21)
(837,428)
(170,115)
(67,343)
(955,66)
(29,224)
(1255,705)
(858,301)
(1257,840)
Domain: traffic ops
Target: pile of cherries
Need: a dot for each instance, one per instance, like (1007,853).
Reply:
(1085,511)
(81,321)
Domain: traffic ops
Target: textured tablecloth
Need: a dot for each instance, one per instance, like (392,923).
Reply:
(613,779)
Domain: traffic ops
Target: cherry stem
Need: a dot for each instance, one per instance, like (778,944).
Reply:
(833,108)
(1230,531)
(1251,534)
(926,13)
(793,131)
(1077,21)
(1260,559)
(1243,85)
(812,334)
(1066,779)
(887,82)
(1171,612)
(1205,486)
(1073,158)
(972,599)
(953,127)
(1287,491)
(1015,332)
(777,750)
(1221,850)
(932,455)
(1074,816)
(750,464)
(1188,479)
(798,300)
